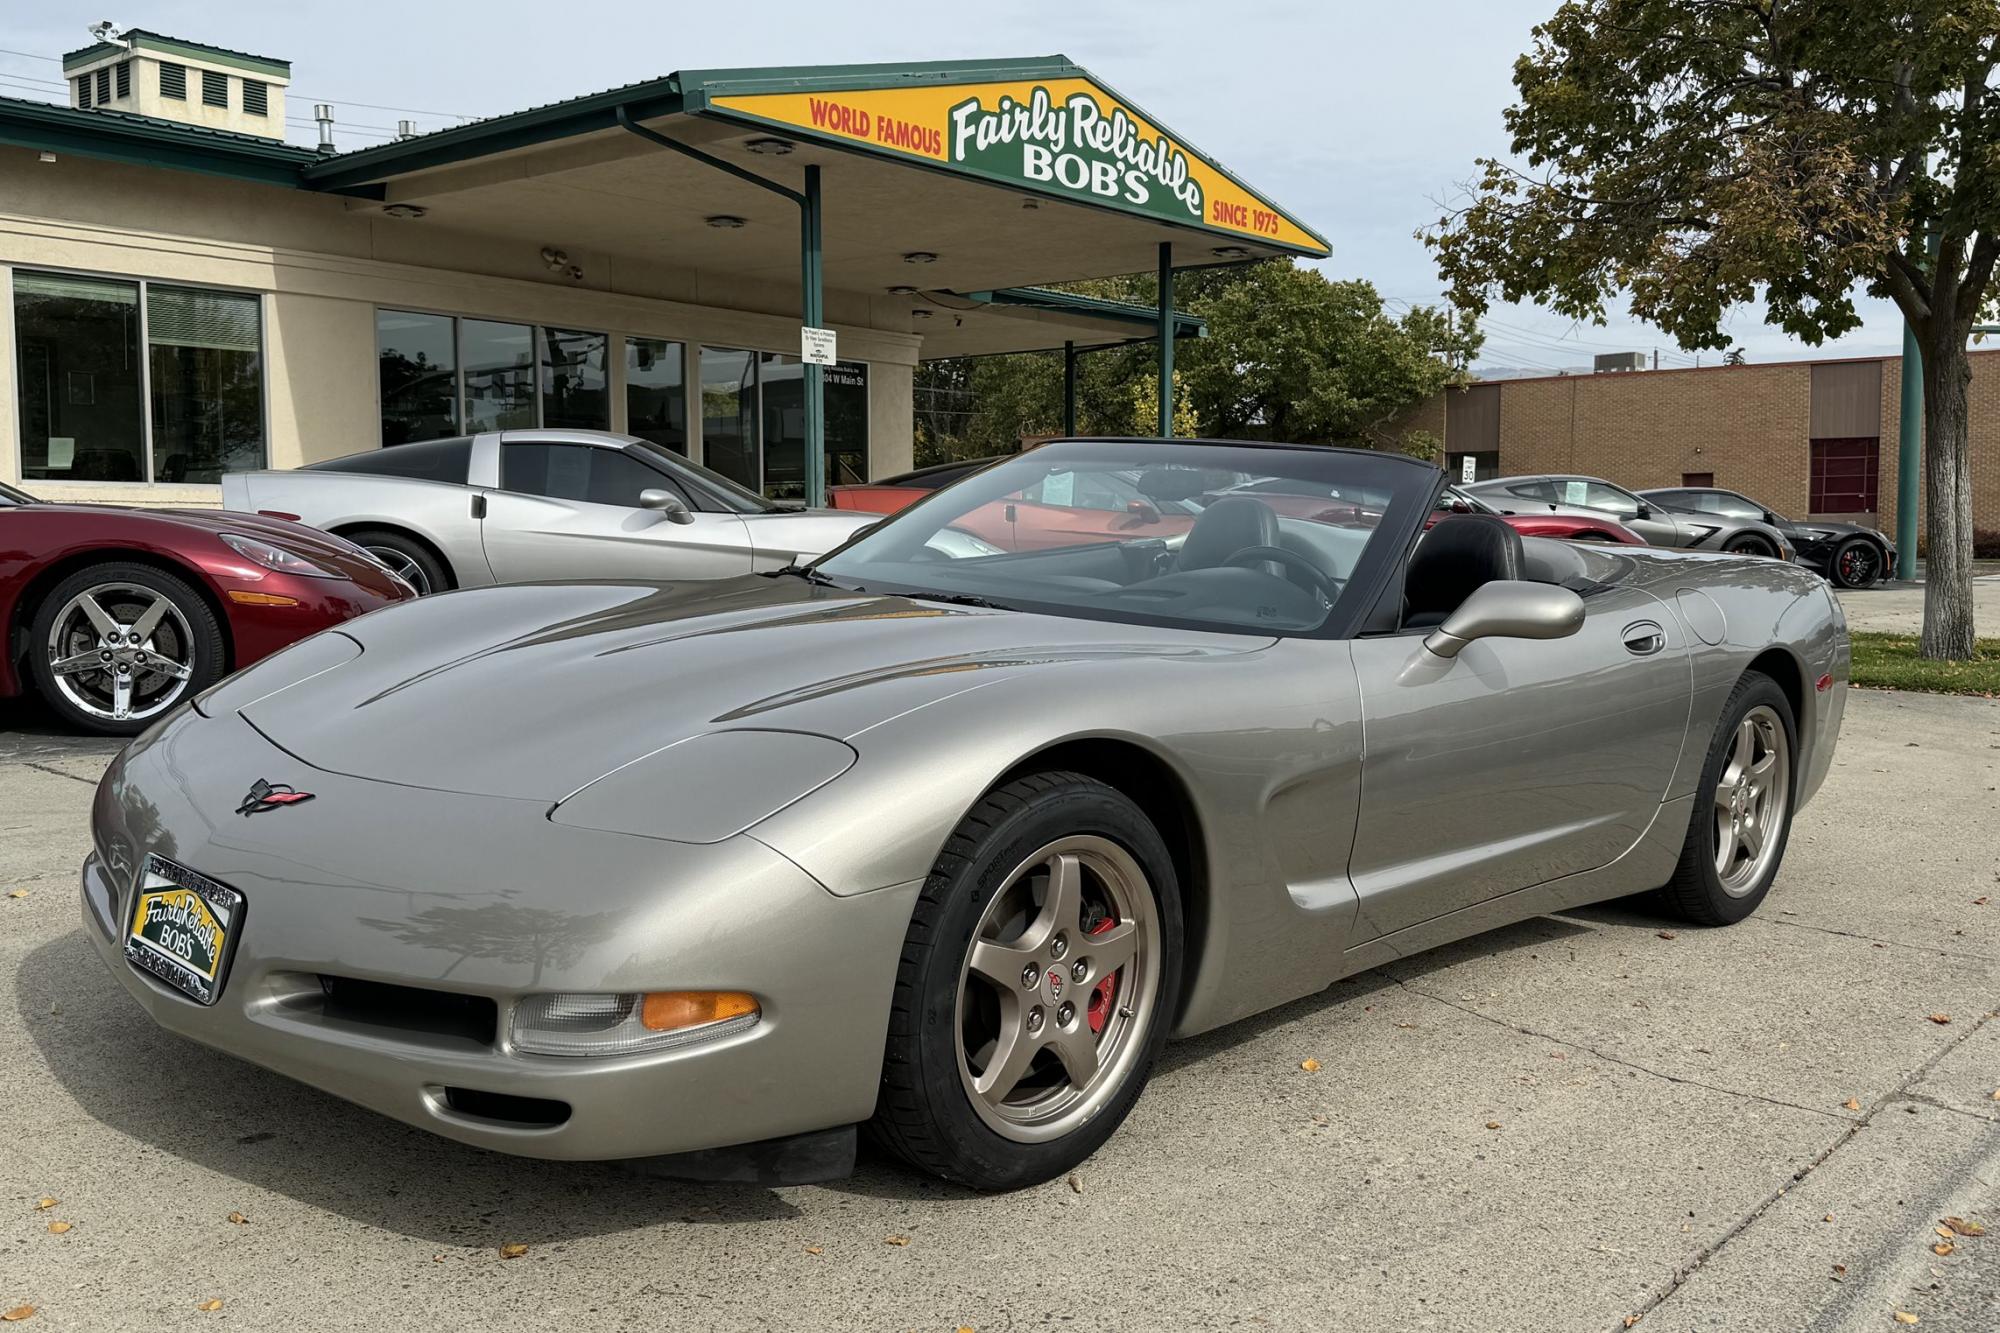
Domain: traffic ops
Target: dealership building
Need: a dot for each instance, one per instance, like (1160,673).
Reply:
(735,264)
(1811,439)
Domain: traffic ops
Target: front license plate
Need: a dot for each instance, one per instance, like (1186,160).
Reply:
(182,928)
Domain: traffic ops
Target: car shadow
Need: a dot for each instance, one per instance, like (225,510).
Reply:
(28,730)
(270,1132)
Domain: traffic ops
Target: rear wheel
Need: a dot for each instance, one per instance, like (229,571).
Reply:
(1743,808)
(1857,563)
(1036,985)
(1750,546)
(115,646)
(414,562)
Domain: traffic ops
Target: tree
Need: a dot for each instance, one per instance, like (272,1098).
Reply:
(1289,355)
(1706,154)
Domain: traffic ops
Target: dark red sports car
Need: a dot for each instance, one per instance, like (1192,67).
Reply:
(115,615)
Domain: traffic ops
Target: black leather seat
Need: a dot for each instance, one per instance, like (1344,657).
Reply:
(1457,556)
(1226,527)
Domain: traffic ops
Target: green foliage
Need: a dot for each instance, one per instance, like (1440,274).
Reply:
(1893,662)
(1290,355)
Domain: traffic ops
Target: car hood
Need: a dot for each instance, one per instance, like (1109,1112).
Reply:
(334,553)
(788,534)
(534,690)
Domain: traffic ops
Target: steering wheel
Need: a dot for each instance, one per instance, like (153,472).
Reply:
(1291,560)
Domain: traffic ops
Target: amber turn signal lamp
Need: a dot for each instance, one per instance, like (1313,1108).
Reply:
(244,597)
(666,1010)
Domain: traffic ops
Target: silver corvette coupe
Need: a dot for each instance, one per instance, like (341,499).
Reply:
(938,839)
(522,506)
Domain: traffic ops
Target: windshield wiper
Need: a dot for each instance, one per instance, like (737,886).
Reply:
(809,574)
(957,599)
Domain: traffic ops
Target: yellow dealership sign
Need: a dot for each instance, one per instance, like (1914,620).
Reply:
(1068,137)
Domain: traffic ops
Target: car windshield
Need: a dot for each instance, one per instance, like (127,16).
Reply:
(1238,537)
(10,496)
(729,496)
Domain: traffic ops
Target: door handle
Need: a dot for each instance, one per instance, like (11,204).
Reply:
(479,506)
(1643,638)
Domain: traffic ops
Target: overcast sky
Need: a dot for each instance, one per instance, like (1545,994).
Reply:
(1358,117)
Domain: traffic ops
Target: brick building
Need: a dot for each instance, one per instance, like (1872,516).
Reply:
(1809,438)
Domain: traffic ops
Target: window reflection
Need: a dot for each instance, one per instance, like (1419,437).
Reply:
(575,387)
(656,392)
(499,375)
(729,413)
(418,360)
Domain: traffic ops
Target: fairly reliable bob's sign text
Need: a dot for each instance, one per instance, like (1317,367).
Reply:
(1066,137)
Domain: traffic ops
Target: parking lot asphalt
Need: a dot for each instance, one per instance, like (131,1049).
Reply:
(1563,1125)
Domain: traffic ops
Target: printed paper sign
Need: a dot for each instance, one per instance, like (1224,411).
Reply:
(816,346)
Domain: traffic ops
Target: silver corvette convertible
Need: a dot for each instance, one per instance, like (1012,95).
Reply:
(521,506)
(937,838)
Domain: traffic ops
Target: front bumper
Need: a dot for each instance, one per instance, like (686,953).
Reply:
(473,896)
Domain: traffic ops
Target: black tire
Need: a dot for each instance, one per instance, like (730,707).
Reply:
(925,1114)
(1750,546)
(205,651)
(1696,891)
(424,570)
(1857,563)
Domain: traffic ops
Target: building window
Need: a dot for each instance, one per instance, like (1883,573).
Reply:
(173,81)
(846,398)
(84,83)
(206,365)
(498,370)
(1842,477)
(256,98)
(87,363)
(729,414)
(214,89)
(417,362)
(124,78)
(656,392)
(576,392)
(104,85)
(1698,480)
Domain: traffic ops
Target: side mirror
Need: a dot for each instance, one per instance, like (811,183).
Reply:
(1142,511)
(667,503)
(1508,609)
(1459,506)
(1772,518)
(1644,511)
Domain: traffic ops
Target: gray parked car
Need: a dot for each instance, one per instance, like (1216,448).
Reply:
(1658,524)
(940,837)
(521,506)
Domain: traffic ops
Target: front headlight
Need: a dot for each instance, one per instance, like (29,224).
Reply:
(569,1023)
(275,558)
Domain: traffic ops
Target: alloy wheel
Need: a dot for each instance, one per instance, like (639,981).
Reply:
(402,566)
(121,652)
(1858,565)
(1752,800)
(1059,989)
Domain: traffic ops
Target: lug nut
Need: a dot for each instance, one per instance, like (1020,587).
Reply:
(1030,975)
(1035,1020)
(1058,946)
(1079,969)
(1067,1014)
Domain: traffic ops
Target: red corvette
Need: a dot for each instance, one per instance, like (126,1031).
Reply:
(1570,524)
(115,615)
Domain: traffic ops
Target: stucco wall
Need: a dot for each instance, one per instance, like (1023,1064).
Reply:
(324,268)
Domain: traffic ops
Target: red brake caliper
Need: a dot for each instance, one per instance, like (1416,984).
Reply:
(1100,997)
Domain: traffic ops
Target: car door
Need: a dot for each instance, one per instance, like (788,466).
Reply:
(1657,526)
(1516,762)
(570,510)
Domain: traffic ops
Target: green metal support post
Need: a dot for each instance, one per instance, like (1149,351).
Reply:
(1069,388)
(1909,455)
(1166,340)
(814,312)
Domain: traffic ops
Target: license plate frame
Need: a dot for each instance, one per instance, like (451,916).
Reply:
(189,942)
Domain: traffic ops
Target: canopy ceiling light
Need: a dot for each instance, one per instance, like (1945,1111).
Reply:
(725,221)
(770,147)
(902,291)
(920,257)
(404,210)
(1232,252)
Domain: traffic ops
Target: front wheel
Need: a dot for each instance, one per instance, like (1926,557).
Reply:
(1743,808)
(1036,985)
(1750,546)
(117,645)
(1857,563)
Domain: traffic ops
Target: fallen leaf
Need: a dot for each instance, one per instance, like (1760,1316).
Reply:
(1840,1268)
(1631,1319)
(215,1304)
(17,893)
(1827,1218)
(1940,1019)
(1943,1247)
(59,1227)
(1980,901)
(1493,1124)
(1666,934)
(42,1205)
(18,1313)
(513,1250)
(815,1249)
(1310,1065)
(1076,1184)
(1852,1104)
(895,1240)
(1963,1227)
(239,1219)
(1943,1231)
(1406,1025)
(1996,1094)
(437,1258)
(1905,1317)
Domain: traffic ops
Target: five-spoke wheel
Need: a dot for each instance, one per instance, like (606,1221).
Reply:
(117,645)
(1743,808)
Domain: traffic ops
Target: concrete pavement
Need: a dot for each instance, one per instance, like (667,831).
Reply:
(1898,608)
(1558,1126)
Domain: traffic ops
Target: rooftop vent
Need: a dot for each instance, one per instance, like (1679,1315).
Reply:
(192,83)
(1610,361)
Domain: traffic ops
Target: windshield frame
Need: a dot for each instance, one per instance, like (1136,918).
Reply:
(729,497)
(1379,564)
(11,498)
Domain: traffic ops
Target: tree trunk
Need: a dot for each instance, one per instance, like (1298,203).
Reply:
(1948,630)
